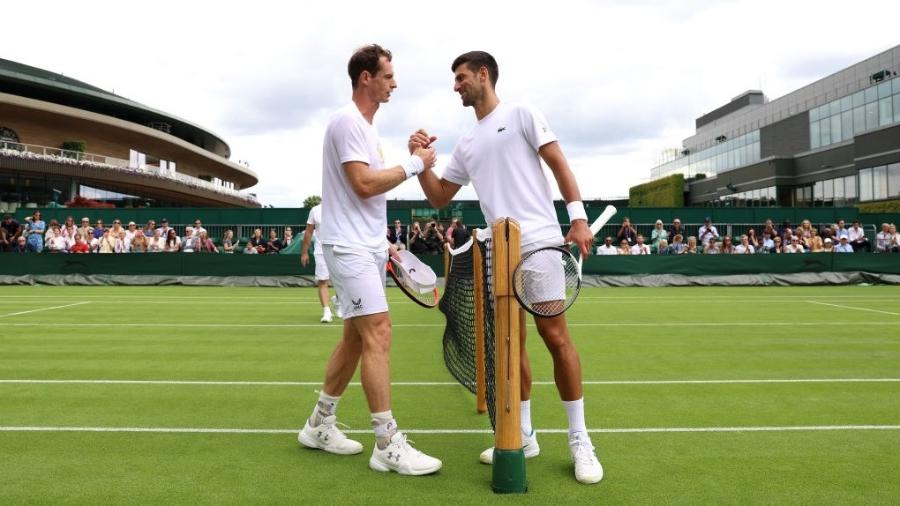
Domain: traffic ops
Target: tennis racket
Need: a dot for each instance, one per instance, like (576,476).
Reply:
(547,280)
(415,279)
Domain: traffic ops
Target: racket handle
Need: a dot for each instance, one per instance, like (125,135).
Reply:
(604,217)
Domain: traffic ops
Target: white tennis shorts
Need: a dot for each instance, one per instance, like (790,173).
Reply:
(321,267)
(544,274)
(358,277)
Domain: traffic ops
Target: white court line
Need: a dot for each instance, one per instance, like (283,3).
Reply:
(210,430)
(442,383)
(854,308)
(441,325)
(44,309)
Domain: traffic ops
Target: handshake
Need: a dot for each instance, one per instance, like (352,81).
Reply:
(423,156)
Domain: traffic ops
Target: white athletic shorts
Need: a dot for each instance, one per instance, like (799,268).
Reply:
(321,267)
(545,276)
(358,277)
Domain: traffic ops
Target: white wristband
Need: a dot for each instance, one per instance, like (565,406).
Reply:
(576,211)
(413,166)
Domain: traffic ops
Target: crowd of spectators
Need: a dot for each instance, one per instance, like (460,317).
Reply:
(804,238)
(37,236)
(429,239)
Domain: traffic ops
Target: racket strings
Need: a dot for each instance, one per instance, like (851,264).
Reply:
(546,282)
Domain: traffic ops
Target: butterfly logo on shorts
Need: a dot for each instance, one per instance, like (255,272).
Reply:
(357,304)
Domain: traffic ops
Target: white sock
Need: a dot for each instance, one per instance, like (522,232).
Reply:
(575,412)
(525,415)
(326,406)
(326,310)
(385,427)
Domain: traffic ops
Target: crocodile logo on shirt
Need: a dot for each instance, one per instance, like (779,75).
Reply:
(501,129)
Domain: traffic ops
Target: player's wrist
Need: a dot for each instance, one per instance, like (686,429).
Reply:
(412,166)
(576,211)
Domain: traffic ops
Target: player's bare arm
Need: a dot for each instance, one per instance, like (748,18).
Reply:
(307,238)
(579,233)
(439,192)
(368,183)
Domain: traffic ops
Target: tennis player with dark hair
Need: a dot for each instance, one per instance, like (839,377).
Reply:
(501,156)
(354,218)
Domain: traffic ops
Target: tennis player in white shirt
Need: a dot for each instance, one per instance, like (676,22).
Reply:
(354,218)
(501,156)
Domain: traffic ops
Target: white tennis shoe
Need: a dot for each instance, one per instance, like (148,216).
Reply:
(328,437)
(399,456)
(326,315)
(529,446)
(337,307)
(587,468)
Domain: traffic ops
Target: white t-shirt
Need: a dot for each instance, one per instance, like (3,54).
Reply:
(603,249)
(315,219)
(499,156)
(349,220)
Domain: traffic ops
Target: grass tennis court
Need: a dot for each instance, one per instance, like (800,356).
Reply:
(694,395)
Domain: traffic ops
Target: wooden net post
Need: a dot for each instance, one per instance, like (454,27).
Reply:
(509,459)
(478,288)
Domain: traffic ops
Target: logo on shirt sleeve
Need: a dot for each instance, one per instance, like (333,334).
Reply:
(501,129)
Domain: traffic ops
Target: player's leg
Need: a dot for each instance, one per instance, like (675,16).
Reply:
(322,277)
(567,375)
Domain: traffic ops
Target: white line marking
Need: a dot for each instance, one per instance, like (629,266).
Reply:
(441,383)
(44,309)
(854,308)
(211,430)
(438,325)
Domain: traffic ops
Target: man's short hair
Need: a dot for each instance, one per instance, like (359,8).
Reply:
(474,60)
(366,58)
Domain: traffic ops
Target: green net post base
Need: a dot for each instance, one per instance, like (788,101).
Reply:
(509,472)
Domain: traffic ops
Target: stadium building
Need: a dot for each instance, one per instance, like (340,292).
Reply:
(61,138)
(835,142)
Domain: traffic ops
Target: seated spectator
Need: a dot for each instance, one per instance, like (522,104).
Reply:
(139,242)
(273,245)
(712,248)
(805,232)
(777,246)
(107,243)
(785,226)
(607,247)
(707,232)
(288,237)
(86,230)
(122,244)
(172,242)
(727,248)
(627,233)
(639,247)
(676,229)
(843,246)
(150,227)
(54,241)
(827,246)
(257,241)
(691,248)
(131,232)
(206,245)
(895,244)
(80,246)
(769,227)
(433,238)
(787,237)
(416,239)
(35,228)
(460,234)
(156,243)
(250,249)
(68,230)
(198,228)
(624,247)
(839,230)
(744,248)
(752,238)
(663,248)
(816,244)
(857,237)
(678,245)
(796,246)
(163,228)
(396,235)
(98,229)
(658,234)
(187,244)
(116,228)
(766,244)
(884,241)
(10,231)
(21,245)
(228,242)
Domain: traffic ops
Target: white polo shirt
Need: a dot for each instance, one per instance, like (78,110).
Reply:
(347,219)
(315,219)
(499,156)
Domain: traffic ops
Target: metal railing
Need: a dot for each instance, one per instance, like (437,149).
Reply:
(33,151)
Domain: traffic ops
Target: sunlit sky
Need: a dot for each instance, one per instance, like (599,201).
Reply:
(618,81)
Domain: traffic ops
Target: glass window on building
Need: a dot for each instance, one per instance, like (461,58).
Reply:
(893,175)
(879,182)
(846,125)
(825,132)
(871,95)
(836,128)
(885,112)
(859,120)
(850,188)
(897,105)
(871,115)
(884,89)
(839,197)
(846,104)
(818,193)
(834,108)
(828,191)
(858,99)
(865,185)
(814,114)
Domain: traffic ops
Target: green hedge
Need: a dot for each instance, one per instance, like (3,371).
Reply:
(884,207)
(664,192)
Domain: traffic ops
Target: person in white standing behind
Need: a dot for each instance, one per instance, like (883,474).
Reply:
(354,211)
(501,156)
(311,234)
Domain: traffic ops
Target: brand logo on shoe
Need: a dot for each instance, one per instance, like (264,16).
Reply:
(395,457)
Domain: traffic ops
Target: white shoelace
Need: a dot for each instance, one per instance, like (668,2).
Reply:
(583,451)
